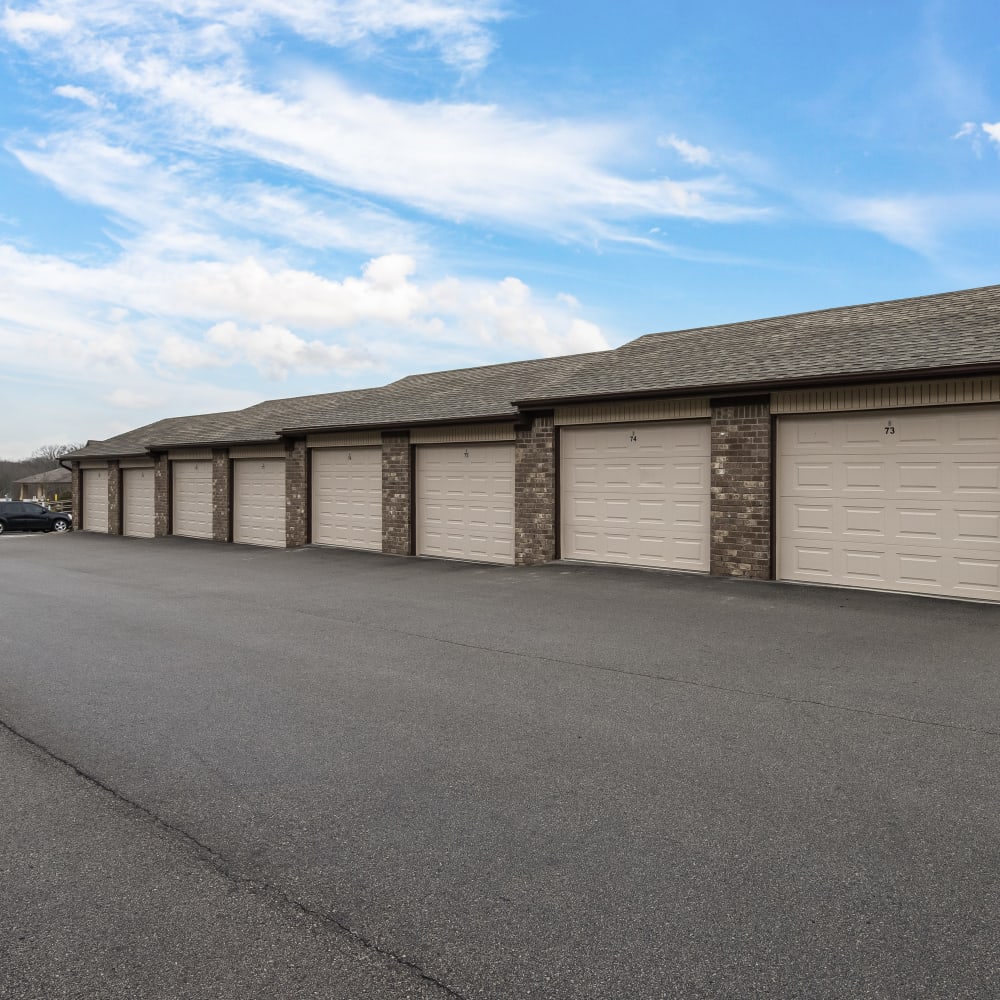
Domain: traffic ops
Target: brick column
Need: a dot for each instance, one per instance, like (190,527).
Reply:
(114,498)
(161,497)
(397,494)
(77,498)
(535,492)
(741,488)
(296,496)
(221,496)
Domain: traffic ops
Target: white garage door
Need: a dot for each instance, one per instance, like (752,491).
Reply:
(137,502)
(465,501)
(259,501)
(95,500)
(905,500)
(192,504)
(637,494)
(347,497)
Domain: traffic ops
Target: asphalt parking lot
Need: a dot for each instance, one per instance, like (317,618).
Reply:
(238,772)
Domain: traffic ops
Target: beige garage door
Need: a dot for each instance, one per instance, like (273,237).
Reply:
(192,504)
(137,502)
(259,501)
(637,494)
(95,500)
(905,500)
(465,501)
(347,497)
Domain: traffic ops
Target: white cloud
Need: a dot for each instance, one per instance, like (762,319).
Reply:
(106,321)
(992,131)
(181,209)
(457,29)
(275,351)
(506,314)
(24,26)
(905,221)
(921,223)
(699,156)
(455,161)
(130,399)
(80,94)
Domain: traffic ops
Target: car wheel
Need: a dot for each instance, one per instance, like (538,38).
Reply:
(61,525)
(3,527)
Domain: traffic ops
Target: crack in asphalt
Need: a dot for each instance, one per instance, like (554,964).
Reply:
(266,890)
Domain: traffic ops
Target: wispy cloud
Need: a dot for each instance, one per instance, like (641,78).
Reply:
(81,94)
(459,30)
(700,156)
(922,223)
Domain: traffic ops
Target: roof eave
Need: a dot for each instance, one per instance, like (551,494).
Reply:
(508,415)
(766,385)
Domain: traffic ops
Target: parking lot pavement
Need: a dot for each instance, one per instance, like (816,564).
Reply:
(557,782)
(100,900)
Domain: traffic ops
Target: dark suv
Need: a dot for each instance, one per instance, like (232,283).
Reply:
(23,515)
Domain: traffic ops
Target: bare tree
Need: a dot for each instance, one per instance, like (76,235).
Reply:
(53,452)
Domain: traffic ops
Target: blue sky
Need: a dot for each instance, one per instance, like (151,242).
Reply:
(206,203)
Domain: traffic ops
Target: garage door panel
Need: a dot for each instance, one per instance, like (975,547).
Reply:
(95,500)
(192,498)
(465,501)
(978,575)
(977,526)
(138,503)
(977,429)
(259,502)
(347,497)
(636,494)
(978,477)
(691,516)
(930,523)
(865,565)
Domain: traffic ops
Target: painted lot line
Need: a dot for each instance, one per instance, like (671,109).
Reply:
(563,782)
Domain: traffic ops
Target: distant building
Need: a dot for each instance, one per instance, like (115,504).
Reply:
(55,484)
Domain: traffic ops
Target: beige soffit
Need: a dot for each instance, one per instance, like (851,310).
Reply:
(91,464)
(633,410)
(462,433)
(190,454)
(949,392)
(137,463)
(257,451)
(344,439)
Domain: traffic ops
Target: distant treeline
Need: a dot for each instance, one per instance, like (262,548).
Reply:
(45,458)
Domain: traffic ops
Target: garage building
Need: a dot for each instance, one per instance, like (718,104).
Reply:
(854,447)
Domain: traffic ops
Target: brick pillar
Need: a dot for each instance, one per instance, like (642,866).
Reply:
(114,498)
(397,494)
(77,498)
(161,497)
(296,495)
(535,492)
(741,488)
(221,495)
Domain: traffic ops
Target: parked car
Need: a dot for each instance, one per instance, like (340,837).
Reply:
(24,515)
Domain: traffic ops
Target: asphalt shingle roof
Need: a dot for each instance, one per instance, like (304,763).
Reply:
(463,394)
(956,330)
